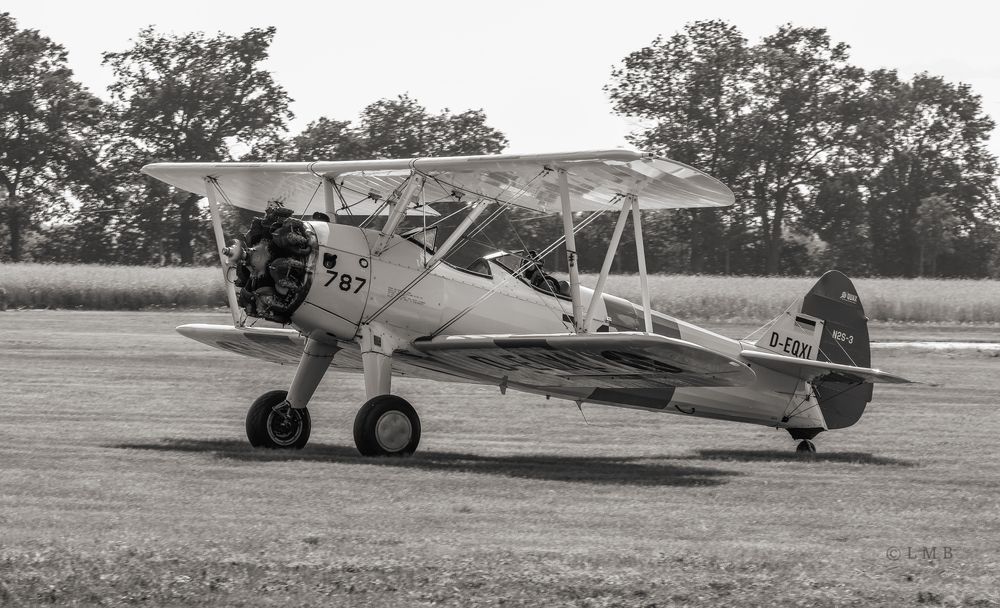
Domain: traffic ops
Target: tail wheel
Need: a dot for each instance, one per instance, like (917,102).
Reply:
(386,425)
(272,423)
(806,447)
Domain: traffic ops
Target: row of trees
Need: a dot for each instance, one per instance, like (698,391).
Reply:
(833,166)
(69,161)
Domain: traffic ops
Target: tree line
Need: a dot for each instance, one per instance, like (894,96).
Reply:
(832,165)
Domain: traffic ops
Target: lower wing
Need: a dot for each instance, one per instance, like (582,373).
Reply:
(274,345)
(284,346)
(622,360)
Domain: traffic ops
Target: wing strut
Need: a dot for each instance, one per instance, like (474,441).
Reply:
(582,321)
(640,255)
(211,189)
(397,213)
(329,200)
(609,257)
(475,210)
(579,326)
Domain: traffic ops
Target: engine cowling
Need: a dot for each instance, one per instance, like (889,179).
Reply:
(314,275)
(341,282)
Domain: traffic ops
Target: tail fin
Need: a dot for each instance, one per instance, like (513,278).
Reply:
(827,324)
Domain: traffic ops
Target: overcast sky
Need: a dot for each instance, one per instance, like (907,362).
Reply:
(536,68)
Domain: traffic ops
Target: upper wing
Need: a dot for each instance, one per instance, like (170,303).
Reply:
(596,180)
(601,360)
(808,369)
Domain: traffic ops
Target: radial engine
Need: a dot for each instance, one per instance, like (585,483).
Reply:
(273,263)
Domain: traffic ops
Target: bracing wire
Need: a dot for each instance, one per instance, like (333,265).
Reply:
(423,273)
(311,198)
(462,242)
(515,274)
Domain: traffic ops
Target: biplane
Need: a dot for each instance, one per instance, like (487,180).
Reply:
(379,295)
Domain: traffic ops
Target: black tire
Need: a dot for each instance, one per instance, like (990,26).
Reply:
(277,430)
(386,425)
(805,447)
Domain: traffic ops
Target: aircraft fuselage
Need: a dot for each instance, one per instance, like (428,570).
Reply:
(351,287)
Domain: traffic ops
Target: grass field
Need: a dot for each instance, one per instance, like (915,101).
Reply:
(125,480)
(748,299)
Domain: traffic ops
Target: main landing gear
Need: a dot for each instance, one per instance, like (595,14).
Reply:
(386,425)
(272,423)
(805,447)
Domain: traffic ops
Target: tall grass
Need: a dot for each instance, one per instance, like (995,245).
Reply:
(95,287)
(688,297)
(762,298)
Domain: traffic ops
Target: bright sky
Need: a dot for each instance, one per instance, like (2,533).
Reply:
(536,68)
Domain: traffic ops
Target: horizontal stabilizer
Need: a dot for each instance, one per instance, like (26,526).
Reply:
(808,369)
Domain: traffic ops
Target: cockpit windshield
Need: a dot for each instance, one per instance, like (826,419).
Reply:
(530,269)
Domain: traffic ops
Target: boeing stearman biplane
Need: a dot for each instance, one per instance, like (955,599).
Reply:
(385,301)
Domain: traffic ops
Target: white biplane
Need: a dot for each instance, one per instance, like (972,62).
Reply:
(385,301)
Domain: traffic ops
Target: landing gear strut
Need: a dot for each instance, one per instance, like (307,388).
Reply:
(386,425)
(279,419)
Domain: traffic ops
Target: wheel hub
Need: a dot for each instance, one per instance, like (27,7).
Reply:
(393,431)
(284,425)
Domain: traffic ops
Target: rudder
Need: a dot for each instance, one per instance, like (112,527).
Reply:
(845,332)
(845,340)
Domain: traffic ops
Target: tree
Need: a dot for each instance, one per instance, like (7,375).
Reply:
(766,119)
(693,89)
(326,139)
(391,128)
(402,128)
(191,98)
(46,125)
(839,216)
(935,228)
(808,141)
(930,141)
(388,128)
(804,112)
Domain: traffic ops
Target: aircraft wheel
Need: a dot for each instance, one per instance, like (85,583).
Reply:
(386,425)
(273,425)
(806,447)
